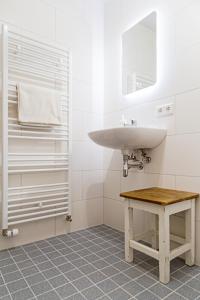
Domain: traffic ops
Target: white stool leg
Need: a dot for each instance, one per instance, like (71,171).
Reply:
(154,228)
(190,233)
(128,232)
(164,246)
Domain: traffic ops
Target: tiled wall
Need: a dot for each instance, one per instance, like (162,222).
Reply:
(76,24)
(176,162)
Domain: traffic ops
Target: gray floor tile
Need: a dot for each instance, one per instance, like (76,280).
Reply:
(58,281)
(87,269)
(97,276)
(59,261)
(133,288)
(145,281)
(80,262)
(95,248)
(175,296)
(51,273)
(173,284)
(110,271)
(39,259)
(25,264)
(21,257)
(121,265)
(92,293)
(3,290)
(41,287)
(107,285)
(17,285)
(181,276)
(146,295)
(29,271)
(112,259)
(4,255)
(187,292)
(91,258)
(23,294)
(103,253)
(34,279)
(6,262)
(73,274)
(16,251)
(54,254)
(194,270)
(160,290)
(52,295)
(82,283)
(194,283)
(66,267)
(72,256)
(133,273)
(100,264)
(7,297)
(119,294)
(120,279)
(1,280)
(45,266)
(77,296)
(66,290)
(12,276)
(8,269)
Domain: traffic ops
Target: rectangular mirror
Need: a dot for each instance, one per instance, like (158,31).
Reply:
(139,55)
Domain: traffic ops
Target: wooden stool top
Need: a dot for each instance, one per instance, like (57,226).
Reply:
(159,196)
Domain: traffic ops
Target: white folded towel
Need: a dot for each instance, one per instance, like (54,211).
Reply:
(38,105)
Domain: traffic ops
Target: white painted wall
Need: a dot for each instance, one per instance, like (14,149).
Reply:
(176,162)
(76,24)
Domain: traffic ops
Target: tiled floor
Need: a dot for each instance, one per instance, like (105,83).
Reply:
(89,264)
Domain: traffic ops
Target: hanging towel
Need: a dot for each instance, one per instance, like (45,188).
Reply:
(38,105)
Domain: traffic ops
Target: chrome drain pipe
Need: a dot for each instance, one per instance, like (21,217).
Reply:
(135,163)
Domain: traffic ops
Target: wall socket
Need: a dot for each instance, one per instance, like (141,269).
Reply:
(165,110)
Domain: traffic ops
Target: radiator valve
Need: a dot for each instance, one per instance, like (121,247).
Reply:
(69,218)
(10,232)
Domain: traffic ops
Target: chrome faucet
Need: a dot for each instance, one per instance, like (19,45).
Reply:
(124,122)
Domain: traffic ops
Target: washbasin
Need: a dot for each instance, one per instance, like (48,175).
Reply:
(128,137)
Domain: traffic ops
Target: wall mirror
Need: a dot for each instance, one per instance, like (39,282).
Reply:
(139,55)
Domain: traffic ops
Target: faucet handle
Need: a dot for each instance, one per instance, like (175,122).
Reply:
(133,122)
(125,122)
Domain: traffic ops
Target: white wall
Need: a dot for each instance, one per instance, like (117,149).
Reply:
(176,162)
(79,25)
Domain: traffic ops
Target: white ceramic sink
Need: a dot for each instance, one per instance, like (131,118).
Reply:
(128,138)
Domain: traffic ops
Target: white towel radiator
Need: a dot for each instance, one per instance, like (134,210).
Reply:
(35,179)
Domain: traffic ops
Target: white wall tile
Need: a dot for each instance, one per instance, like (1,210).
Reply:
(147,115)
(188,25)
(113,213)
(187,68)
(187,112)
(76,182)
(82,95)
(87,213)
(190,184)
(112,184)
(187,155)
(77,125)
(34,16)
(112,159)
(164,157)
(92,184)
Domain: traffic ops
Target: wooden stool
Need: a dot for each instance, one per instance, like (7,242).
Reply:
(162,203)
